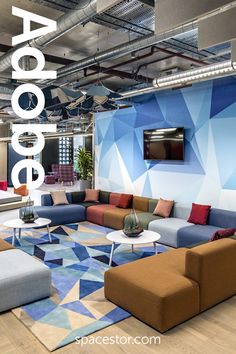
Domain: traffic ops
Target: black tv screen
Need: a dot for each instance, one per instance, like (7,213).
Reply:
(164,144)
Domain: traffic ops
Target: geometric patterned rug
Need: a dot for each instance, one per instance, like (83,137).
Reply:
(78,258)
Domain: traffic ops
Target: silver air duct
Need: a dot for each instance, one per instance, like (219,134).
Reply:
(124,49)
(65,23)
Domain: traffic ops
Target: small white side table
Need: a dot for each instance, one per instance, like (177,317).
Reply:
(120,238)
(18,224)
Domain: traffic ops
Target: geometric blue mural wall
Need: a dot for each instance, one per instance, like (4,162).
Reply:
(207,111)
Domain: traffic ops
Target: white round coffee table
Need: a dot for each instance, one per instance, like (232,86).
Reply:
(19,224)
(119,237)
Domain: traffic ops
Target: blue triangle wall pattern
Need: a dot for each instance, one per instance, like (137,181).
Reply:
(207,111)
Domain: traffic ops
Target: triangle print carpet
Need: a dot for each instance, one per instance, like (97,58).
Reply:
(78,257)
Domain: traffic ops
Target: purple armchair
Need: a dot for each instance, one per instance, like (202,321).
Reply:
(66,174)
(55,170)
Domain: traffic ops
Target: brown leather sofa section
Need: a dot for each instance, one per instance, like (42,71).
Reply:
(4,246)
(114,218)
(213,267)
(140,203)
(155,289)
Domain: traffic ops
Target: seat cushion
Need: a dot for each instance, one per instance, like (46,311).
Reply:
(62,214)
(95,213)
(168,229)
(23,280)
(88,204)
(156,291)
(191,235)
(114,218)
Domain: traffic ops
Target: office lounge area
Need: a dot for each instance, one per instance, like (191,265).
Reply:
(128,242)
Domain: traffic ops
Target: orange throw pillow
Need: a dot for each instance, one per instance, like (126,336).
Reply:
(91,195)
(163,208)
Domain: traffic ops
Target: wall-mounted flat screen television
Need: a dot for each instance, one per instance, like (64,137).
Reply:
(164,144)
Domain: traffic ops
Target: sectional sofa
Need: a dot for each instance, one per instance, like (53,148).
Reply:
(167,289)
(175,231)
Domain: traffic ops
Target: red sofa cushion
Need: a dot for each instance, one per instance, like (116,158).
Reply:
(125,201)
(222,234)
(199,214)
(114,198)
(3,185)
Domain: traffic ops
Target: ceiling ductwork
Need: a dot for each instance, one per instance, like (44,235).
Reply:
(65,23)
(123,49)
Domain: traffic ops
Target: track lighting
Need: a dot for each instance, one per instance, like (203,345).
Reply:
(198,74)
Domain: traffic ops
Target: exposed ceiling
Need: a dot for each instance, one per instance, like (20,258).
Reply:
(123,23)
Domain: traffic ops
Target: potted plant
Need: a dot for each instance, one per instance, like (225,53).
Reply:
(84,162)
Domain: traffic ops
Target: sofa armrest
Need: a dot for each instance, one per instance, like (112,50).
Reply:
(213,267)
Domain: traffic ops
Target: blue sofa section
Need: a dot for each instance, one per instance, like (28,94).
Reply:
(60,214)
(177,232)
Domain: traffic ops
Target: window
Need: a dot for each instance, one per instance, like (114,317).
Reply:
(65,150)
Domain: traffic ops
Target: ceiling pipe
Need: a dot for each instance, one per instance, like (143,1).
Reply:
(124,49)
(154,49)
(109,73)
(65,24)
(96,68)
(183,56)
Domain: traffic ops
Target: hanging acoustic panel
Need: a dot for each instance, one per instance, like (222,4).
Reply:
(233,51)
(217,29)
(104,5)
(171,13)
